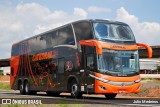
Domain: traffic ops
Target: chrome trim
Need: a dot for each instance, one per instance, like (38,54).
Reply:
(121,83)
(70,46)
(75,39)
(115,83)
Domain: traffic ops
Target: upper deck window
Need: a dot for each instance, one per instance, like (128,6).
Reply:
(83,30)
(15,50)
(116,32)
(60,36)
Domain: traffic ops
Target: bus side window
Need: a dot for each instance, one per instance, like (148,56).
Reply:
(90,63)
(83,30)
(65,36)
(61,65)
(15,50)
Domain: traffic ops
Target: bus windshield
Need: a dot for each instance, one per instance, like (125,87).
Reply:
(116,32)
(121,63)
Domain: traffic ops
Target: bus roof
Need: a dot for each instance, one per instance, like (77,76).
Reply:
(89,20)
(100,20)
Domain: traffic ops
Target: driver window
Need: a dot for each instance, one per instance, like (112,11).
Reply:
(90,63)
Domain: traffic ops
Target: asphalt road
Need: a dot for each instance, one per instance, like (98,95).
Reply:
(65,98)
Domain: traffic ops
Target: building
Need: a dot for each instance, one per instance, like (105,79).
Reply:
(149,65)
(6,70)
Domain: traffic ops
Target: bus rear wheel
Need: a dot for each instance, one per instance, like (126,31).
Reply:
(74,90)
(26,88)
(21,88)
(110,96)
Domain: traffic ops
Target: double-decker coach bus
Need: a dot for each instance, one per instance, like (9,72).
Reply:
(86,56)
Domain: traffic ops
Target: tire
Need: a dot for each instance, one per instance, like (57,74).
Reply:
(26,88)
(74,90)
(21,88)
(110,96)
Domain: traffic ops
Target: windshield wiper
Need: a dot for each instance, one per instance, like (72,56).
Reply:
(104,71)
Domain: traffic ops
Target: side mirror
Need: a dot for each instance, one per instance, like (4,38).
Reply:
(147,47)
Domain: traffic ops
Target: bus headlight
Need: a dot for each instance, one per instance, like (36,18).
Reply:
(138,80)
(103,80)
(100,79)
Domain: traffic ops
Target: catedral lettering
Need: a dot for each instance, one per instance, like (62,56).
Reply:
(116,46)
(86,56)
(42,56)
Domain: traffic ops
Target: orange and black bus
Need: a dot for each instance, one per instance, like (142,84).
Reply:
(86,56)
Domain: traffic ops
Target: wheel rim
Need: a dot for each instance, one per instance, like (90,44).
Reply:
(74,89)
(21,87)
(26,88)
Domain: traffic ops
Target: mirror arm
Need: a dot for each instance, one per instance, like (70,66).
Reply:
(147,47)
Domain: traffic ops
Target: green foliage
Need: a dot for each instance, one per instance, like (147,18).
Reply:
(150,79)
(1,72)
(158,68)
(5,86)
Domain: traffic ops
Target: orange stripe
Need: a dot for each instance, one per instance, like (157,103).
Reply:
(99,45)
(92,43)
(118,46)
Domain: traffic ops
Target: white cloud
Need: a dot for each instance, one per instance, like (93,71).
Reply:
(95,9)
(145,32)
(25,20)
(80,12)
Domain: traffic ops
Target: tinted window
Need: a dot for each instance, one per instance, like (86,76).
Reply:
(65,36)
(15,50)
(83,30)
(51,39)
(37,43)
(90,62)
(57,37)
(90,49)
(116,32)
(54,36)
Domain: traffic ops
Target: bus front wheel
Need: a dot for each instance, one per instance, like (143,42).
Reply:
(110,96)
(74,90)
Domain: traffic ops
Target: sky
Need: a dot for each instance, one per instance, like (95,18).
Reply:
(20,19)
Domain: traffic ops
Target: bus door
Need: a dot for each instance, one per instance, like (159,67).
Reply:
(90,63)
